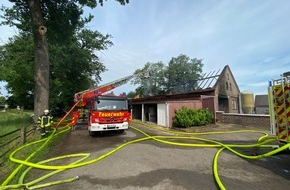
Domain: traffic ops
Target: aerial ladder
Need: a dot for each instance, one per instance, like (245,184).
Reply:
(83,96)
(103,112)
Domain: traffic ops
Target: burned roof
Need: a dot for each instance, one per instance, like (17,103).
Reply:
(171,97)
(205,86)
(208,80)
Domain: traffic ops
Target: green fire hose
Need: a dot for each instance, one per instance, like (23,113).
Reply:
(263,142)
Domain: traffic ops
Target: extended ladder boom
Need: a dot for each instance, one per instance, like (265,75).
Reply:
(84,95)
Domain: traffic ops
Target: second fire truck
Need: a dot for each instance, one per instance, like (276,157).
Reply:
(279,105)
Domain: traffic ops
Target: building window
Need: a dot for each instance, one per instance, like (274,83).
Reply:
(230,86)
(227,85)
(234,104)
(228,76)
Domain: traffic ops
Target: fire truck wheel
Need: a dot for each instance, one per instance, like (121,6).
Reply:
(91,133)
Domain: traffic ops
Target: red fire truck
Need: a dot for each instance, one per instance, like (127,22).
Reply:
(103,112)
(108,113)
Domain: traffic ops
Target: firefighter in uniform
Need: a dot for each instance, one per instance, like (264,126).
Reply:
(45,122)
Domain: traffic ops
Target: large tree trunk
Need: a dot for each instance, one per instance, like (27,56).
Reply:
(41,75)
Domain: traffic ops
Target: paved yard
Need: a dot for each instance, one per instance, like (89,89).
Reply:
(152,165)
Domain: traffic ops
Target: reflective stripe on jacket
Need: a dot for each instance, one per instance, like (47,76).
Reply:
(45,120)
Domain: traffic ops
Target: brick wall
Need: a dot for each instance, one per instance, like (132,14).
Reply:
(173,105)
(257,120)
(209,102)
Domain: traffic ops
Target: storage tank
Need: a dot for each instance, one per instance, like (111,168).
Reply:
(248,102)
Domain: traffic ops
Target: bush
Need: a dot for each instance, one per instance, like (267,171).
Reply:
(188,117)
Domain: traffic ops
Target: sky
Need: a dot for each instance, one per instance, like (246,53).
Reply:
(251,36)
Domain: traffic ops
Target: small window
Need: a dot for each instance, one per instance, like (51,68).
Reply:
(230,86)
(227,85)
(234,104)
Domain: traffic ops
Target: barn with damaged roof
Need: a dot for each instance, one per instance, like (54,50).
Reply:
(216,90)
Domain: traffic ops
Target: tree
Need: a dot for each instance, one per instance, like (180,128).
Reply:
(2,100)
(41,59)
(72,69)
(16,63)
(182,74)
(131,94)
(31,17)
(179,76)
(154,83)
(75,66)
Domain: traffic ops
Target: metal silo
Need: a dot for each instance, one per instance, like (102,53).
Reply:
(248,102)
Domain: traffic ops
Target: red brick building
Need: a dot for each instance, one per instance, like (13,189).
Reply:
(217,91)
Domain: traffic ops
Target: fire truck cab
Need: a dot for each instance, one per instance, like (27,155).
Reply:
(108,113)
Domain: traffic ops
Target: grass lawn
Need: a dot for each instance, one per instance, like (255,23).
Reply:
(13,120)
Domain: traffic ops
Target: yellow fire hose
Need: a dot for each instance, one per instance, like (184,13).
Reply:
(262,142)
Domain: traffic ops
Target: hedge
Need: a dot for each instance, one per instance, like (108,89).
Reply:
(189,117)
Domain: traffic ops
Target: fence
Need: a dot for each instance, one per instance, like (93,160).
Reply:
(258,120)
(11,139)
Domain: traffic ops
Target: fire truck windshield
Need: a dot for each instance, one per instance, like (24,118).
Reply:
(111,104)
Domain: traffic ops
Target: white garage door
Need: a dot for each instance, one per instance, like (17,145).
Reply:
(162,115)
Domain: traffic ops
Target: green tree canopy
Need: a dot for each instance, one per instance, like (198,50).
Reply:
(154,83)
(73,65)
(2,100)
(179,76)
(182,74)
(17,68)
